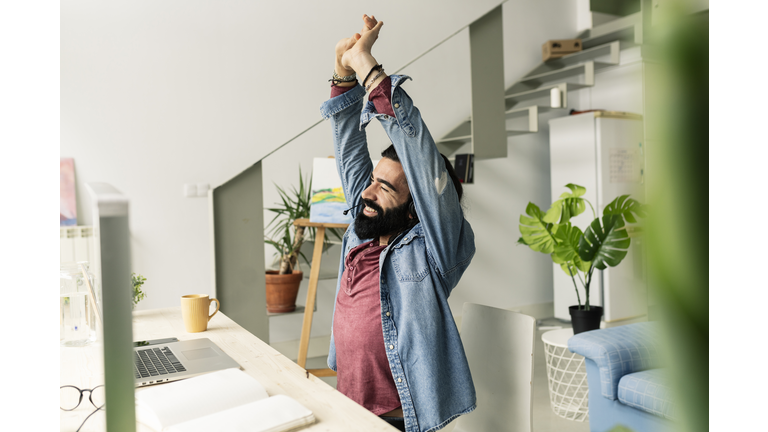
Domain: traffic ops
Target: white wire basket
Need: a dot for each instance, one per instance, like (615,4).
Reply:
(567,377)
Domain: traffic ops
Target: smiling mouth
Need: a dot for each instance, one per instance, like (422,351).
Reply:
(369,211)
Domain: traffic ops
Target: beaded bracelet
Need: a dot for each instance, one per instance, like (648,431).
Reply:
(348,78)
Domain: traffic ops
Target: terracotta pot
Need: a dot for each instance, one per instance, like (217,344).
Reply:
(282,291)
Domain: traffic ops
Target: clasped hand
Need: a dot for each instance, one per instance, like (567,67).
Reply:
(354,54)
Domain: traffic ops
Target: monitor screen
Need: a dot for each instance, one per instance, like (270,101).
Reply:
(112,271)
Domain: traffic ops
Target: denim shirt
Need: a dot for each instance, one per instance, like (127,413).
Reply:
(420,267)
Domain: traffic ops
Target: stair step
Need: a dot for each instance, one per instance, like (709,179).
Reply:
(607,53)
(455,139)
(460,132)
(543,92)
(601,43)
(587,69)
(628,29)
(519,132)
(519,112)
(532,112)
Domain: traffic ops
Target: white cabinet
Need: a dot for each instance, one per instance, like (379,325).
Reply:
(604,152)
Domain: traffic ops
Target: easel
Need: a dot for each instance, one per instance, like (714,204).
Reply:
(314,276)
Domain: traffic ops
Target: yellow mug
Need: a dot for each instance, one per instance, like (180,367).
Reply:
(194,311)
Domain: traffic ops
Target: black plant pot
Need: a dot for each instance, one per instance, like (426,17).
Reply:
(585,320)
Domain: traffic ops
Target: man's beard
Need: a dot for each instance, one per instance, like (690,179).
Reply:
(384,223)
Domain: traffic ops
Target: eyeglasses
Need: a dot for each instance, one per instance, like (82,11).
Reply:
(71,396)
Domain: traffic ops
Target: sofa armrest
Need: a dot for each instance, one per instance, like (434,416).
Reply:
(618,351)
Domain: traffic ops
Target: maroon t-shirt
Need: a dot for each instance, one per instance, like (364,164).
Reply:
(381,96)
(362,371)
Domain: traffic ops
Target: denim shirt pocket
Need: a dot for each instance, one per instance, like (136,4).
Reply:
(409,259)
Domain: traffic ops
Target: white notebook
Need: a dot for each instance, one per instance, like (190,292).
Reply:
(227,400)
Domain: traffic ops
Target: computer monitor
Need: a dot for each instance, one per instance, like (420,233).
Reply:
(112,268)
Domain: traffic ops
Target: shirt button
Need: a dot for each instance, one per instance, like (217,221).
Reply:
(399,380)
(391,347)
(397,105)
(387,313)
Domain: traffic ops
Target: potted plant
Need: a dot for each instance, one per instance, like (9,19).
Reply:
(603,244)
(137,281)
(287,239)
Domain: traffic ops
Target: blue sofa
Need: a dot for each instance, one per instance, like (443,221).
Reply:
(627,385)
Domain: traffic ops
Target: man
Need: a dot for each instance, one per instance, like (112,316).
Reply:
(394,344)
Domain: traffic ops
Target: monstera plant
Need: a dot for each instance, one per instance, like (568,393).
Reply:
(604,243)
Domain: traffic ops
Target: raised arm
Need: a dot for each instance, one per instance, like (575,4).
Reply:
(349,141)
(449,238)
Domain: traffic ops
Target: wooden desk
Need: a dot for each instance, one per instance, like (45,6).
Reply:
(83,368)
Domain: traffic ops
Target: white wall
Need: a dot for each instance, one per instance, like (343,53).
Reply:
(155,95)
(158,94)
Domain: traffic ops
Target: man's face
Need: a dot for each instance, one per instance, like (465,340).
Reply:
(386,202)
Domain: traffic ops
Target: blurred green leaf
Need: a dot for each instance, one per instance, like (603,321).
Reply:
(627,208)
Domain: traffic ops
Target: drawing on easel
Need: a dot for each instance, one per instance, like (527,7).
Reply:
(68,201)
(328,202)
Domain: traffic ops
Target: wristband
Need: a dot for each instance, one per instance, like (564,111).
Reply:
(377,67)
(381,71)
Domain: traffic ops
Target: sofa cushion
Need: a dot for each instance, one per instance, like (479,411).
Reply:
(647,391)
(619,351)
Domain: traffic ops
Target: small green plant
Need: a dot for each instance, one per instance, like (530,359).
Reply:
(603,244)
(138,294)
(286,238)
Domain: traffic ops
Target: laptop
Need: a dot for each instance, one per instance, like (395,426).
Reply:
(158,362)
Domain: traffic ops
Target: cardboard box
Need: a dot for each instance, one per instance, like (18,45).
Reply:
(553,49)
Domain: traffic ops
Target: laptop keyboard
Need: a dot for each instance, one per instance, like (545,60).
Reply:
(155,361)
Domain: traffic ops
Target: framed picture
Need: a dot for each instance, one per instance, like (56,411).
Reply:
(328,201)
(68,201)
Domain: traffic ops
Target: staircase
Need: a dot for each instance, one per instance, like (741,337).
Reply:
(546,87)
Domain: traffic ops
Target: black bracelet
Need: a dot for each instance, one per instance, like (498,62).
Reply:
(377,67)
(334,82)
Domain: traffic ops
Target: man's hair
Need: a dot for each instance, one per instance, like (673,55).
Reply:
(390,153)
